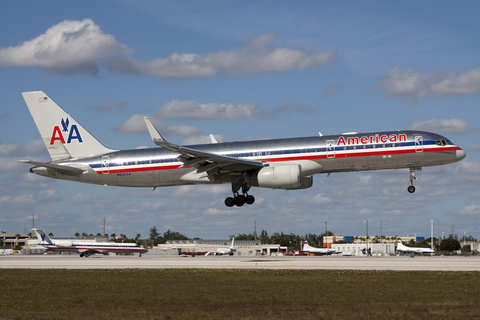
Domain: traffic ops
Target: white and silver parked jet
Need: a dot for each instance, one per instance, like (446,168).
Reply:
(85,248)
(308,248)
(287,164)
(403,248)
(225,251)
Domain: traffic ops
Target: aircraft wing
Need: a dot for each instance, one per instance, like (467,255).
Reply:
(203,161)
(61,168)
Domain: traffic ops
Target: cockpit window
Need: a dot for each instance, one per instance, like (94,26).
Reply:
(444,143)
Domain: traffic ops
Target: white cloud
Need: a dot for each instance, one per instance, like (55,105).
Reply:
(153,206)
(463,84)
(333,89)
(475,147)
(110,105)
(68,47)
(414,85)
(444,126)
(18,201)
(6,148)
(136,124)
(81,198)
(470,210)
(318,199)
(207,111)
(202,139)
(192,110)
(468,170)
(408,84)
(255,57)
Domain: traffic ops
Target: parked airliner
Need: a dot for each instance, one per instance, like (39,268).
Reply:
(308,248)
(403,248)
(85,248)
(287,164)
(229,251)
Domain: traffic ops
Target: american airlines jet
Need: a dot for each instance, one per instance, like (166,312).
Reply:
(85,249)
(287,164)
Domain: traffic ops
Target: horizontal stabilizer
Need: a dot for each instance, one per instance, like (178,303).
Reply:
(59,167)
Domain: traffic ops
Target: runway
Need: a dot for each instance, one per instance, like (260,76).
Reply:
(436,263)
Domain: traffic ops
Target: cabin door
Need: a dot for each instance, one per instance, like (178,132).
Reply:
(418,143)
(330,149)
(105,165)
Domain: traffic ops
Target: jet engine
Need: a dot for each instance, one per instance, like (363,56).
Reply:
(280,176)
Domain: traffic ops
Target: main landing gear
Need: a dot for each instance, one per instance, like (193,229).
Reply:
(411,188)
(239,199)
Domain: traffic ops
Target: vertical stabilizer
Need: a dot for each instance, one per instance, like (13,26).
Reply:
(306,246)
(42,236)
(63,136)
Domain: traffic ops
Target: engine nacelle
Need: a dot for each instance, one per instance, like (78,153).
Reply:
(280,176)
(307,182)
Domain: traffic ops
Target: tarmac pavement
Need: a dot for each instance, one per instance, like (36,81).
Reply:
(434,263)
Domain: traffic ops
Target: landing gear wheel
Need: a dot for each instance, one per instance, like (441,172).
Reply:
(239,200)
(249,199)
(229,202)
(411,189)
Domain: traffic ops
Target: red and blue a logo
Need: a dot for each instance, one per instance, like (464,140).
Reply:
(72,133)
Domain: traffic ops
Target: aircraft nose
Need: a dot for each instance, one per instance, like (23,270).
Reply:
(461,154)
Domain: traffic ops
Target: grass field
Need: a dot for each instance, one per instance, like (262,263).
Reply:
(237,294)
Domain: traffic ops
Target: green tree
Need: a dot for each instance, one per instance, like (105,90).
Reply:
(77,234)
(449,245)
(173,235)
(244,236)
(154,233)
(264,236)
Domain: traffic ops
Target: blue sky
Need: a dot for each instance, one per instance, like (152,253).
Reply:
(256,70)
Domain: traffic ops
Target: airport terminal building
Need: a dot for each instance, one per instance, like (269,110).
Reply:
(202,247)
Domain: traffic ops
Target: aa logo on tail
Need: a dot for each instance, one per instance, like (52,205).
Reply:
(72,132)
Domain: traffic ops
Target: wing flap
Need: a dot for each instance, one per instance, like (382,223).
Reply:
(203,161)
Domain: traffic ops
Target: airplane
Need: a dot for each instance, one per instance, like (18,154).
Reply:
(402,248)
(308,248)
(287,164)
(230,251)
(87,249)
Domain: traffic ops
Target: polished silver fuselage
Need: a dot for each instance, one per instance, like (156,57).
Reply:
(157,167)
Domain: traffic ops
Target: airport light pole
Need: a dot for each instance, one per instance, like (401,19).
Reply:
(431,234)
(366,239)
(326,239)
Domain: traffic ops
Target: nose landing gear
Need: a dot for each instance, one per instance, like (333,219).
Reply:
(413,178)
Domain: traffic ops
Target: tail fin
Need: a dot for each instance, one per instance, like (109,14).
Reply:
(233,241)
(42,236)
(64,137)
(306,246)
